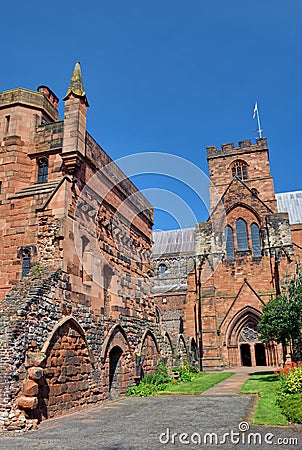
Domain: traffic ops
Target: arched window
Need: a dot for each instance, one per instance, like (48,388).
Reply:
(25,263)
(256,242)
(229,241)
(162,268)
(239,169)
(43,170)
(241,233)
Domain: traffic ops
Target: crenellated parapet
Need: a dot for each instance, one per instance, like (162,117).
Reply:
(44,99)
(229,149)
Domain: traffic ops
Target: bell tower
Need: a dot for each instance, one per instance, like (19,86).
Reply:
(248,162)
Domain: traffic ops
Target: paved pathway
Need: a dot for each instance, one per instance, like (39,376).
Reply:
(150,423)
(232,385)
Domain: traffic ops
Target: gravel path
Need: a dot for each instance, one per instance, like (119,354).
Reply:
(137,423)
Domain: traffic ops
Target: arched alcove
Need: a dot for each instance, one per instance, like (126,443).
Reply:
(68,365)
(150,350)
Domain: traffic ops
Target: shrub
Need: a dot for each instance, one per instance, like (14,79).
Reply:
(291,406)
(151,384)
(185,372)
(142,390)
(291,379)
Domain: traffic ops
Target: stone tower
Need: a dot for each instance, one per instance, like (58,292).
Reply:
(243,251)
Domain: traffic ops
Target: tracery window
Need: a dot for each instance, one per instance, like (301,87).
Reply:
(241,234)
(256,242)
(249,334)
(239,169)
(229,242)
(43,170)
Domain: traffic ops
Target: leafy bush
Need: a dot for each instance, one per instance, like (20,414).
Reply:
(290,392)
(151,384)
(290,380)
(142,390)
(291,406)
(185,372)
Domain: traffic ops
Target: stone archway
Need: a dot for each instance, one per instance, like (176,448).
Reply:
(193,352)
(168,351)
(150,352)
(242,340)
(182,353)
(118,361)
(66,381)
(115,372)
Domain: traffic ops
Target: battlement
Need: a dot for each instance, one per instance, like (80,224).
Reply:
(44,100)
(245,146)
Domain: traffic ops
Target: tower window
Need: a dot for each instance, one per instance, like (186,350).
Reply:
(256,242)
(162,268)
(25,263)
(239,169)
(7,123)
(43,170)
(229,242)
(241,233)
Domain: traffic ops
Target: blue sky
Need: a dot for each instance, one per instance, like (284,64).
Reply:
(169,76)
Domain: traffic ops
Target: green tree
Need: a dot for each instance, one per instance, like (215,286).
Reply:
(282,316)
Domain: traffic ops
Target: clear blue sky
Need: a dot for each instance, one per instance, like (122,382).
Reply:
(168,76)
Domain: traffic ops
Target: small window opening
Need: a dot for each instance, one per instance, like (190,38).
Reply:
(43,170)
(162,268)
(7,123)
(25,263)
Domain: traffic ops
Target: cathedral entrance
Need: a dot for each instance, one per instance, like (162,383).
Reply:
(245,351)
(260,354)
(243,341)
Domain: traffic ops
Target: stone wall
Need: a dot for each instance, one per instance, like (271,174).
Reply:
(56,354)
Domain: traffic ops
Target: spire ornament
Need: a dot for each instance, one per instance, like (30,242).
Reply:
(76,86)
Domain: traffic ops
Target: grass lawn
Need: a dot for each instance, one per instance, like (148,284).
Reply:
(265,384)
(200,382)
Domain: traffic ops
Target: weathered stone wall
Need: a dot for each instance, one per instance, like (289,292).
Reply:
(57,355)
(80,327)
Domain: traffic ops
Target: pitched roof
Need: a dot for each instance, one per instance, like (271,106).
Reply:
(174,241)
(291,202)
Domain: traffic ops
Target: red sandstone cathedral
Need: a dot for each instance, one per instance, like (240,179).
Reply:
(212,281)
(90,300)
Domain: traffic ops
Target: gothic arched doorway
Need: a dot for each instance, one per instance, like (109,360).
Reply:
(243,341)
(115,372)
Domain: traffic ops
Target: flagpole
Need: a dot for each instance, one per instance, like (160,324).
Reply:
(256,113)
(258,120)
